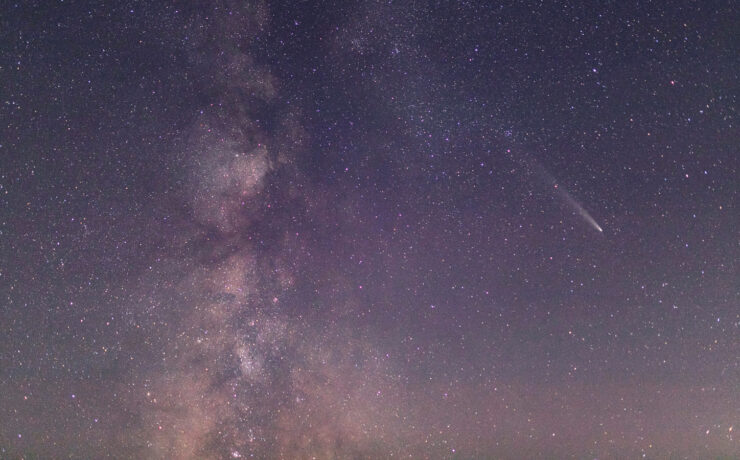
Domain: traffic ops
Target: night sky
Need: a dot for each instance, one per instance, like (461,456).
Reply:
(345,230)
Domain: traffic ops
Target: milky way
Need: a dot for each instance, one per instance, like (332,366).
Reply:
(368,230)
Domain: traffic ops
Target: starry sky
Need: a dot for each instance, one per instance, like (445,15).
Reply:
(369,229)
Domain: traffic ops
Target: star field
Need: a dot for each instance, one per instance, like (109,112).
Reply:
(245,229)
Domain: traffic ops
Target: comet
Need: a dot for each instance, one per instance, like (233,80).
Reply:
(533,167)
(578,208)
